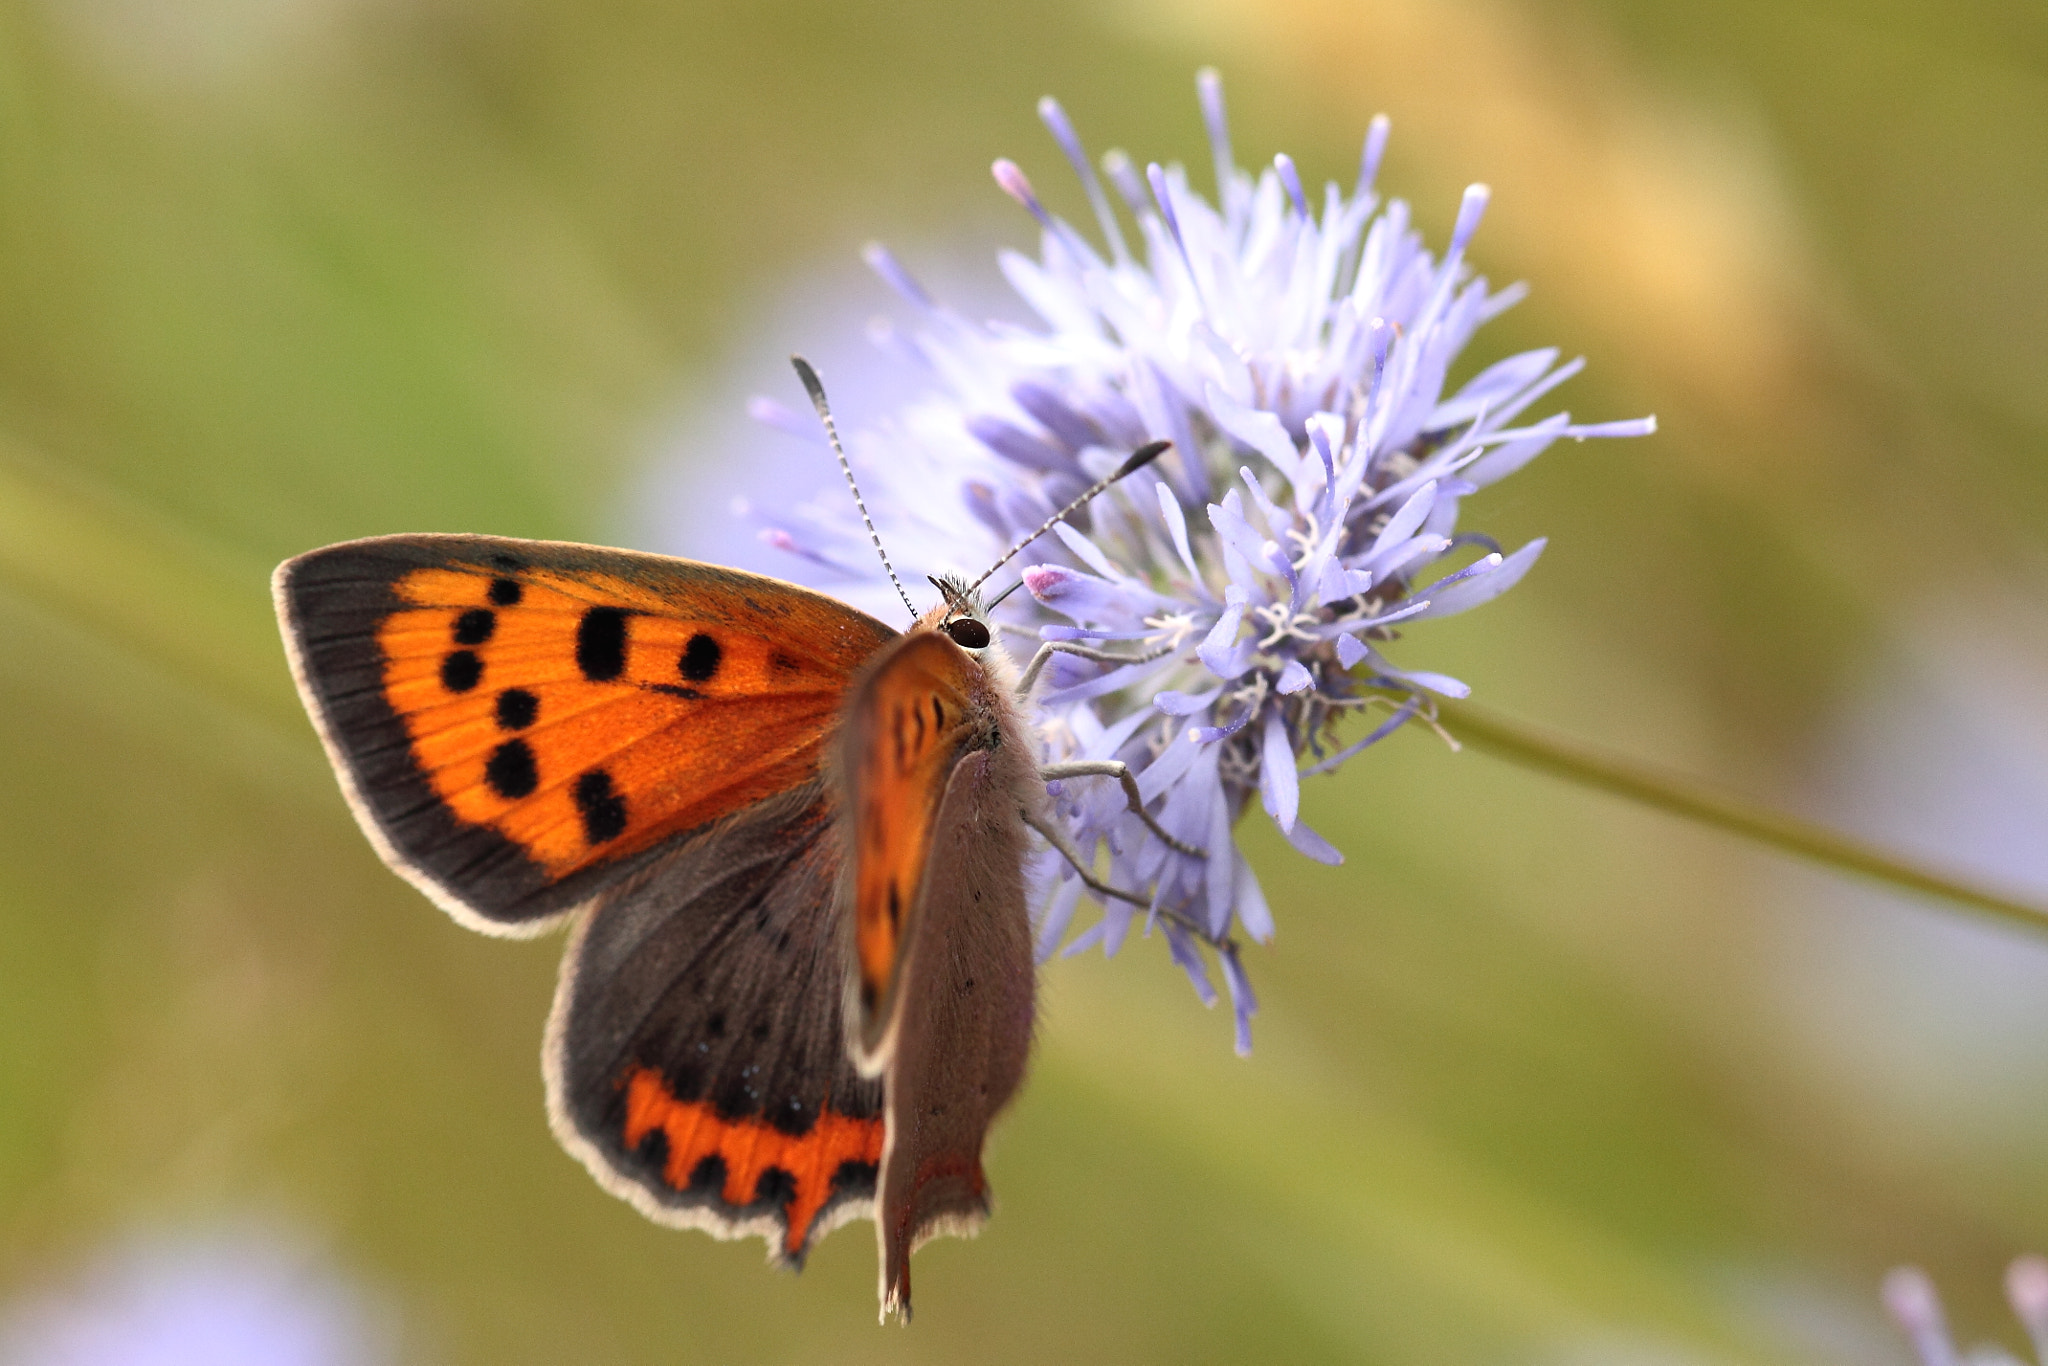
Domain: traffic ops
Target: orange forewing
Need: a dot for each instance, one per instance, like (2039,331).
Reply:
(748,1148)
(907,727)
(647,711)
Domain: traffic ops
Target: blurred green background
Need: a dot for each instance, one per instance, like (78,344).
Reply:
(1539,1077)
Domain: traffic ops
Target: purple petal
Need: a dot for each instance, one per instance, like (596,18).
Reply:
(1015,184)
(1116,164)
(1243,1003)
(1162,777)
(1469,593)
(1116,680)
(1091,633)
(1294,678)
(1088,552)
(1116,925)
(1162,195)
(1911,1299)
(1237,533)
(1185,703)
(1219,870)
(1376,134)
(1279,787)
(1504,460)
(1059,913)
(1379,733)
(1050,410)
(1315,846)
(1209,90)
(1081,597)
(1333,584)
(1276,520)
(1062,129)
(1219,649)
(1209,735)
(1437,683)
(1641,426)
(1291,179)
(1190,959)
(883,262)
(1012,442)
(1256,428)
(1403,524)
(1177,527)
(1252,911)
(1470,210)
(1084,941)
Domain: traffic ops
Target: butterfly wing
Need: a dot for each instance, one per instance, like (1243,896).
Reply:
(909,720)
(518,723)
(695,1060)
(937,777)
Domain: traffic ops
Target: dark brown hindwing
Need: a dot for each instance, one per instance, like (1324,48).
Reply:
(695,1056)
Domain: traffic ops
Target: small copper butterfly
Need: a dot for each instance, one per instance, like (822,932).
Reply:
(789,840)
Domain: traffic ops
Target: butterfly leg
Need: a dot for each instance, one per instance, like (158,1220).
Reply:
(1121,771)
(1064,647)
(1057,838)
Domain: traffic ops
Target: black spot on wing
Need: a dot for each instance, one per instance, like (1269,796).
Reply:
(506,592)
(775,1187)
(737,1095)
(855,1178)
(601,643)
(461,671)
(475,626)
(603,811)
(708,1174)
(517,709)
(654,1147)
(700,658)
(794,1116)
(511,770)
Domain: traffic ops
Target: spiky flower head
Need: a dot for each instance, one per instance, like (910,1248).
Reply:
(1224,620)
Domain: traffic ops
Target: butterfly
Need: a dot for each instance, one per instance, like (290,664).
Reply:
(789,840)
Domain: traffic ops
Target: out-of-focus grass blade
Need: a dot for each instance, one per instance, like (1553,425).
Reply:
(198,610)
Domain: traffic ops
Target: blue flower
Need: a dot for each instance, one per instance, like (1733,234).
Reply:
(232,1298)
(1222,615)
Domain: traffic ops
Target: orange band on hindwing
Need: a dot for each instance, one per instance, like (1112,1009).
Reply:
(748,1149)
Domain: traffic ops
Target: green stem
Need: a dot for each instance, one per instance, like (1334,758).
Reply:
(1559,757)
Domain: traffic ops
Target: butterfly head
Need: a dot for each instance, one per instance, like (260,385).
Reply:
(961,616)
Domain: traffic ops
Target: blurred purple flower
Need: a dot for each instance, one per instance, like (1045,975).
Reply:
(1911,1298)
(215,1300)
(1221,613)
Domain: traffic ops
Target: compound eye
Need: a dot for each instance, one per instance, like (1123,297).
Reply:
(968,633)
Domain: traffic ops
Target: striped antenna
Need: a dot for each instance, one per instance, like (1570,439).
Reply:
(1140,458)
(816,390)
